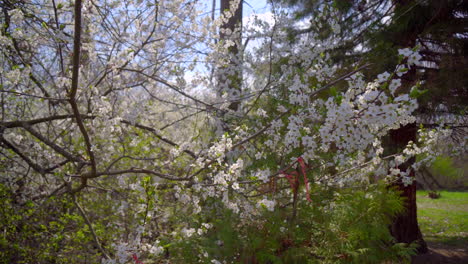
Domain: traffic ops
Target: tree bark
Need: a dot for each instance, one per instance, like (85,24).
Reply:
(405,228)
(229,73)
(233,25)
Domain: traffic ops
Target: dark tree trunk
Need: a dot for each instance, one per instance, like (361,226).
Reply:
(405,228)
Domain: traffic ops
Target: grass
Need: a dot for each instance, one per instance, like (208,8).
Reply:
(444,220)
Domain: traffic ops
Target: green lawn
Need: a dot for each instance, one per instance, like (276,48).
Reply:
(444,220)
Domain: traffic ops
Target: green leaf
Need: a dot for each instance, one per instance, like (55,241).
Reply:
(416,93)
(333,91)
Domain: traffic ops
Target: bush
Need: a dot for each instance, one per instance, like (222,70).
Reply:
(347,225)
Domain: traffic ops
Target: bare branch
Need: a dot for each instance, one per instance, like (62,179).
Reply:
(154,132)
(20,123)
(176,89)
(132,170)
(32,95)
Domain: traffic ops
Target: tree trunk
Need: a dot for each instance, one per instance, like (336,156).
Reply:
(405,228)
(229,73)
(231,78)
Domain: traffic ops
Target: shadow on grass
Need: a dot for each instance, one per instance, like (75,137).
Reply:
(437,256)
(444,249)
(447,241)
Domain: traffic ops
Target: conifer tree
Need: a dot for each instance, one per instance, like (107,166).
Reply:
(438,29)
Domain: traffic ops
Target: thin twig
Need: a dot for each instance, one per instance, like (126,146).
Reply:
(131,170)
(88,222)
(154,132)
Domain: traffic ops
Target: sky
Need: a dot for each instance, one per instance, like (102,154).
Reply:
(255,6)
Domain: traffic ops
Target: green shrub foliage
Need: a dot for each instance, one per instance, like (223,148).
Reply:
(347,225)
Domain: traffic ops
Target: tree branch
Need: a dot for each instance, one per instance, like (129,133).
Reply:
(131,170)
(74,88)
(51,144)
(21,123)
(153,131)
(33,165)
